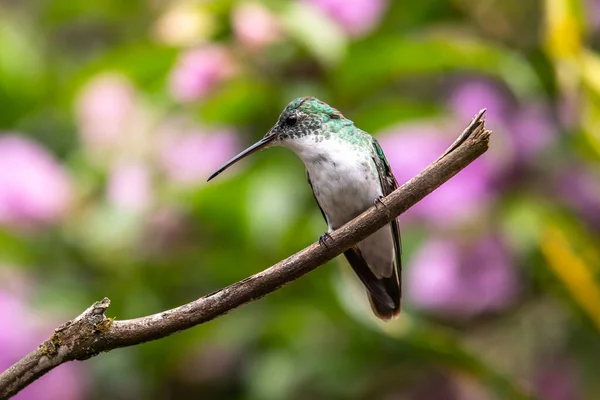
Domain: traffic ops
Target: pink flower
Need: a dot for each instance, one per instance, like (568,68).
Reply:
(556,378)
(254,25)
(532,130)
(34,188)
(592,14)
(357,17)
(462,281)
(21,331)
(188,158)
(104,111)
(470,96)
(410,149)
(130,187)
(529,128)
(577,187)
(201,70)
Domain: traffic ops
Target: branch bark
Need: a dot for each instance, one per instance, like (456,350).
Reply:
(92,332)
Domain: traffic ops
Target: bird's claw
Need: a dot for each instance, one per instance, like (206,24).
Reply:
(324,238)
(378,201)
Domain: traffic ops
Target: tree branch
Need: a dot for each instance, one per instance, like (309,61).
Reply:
(92,332)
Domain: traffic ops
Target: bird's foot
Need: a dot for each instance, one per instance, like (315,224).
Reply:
(378,202)
(324,238)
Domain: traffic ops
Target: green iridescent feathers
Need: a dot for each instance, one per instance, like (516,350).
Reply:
(332,121)
(379,153)
(314,106)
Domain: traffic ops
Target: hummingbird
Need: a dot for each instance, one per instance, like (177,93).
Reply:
(348,173)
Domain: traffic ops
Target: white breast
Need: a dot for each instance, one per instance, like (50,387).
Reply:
(344,179)
(346,183)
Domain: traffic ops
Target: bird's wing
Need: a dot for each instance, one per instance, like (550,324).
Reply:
(388,185)
(315,196)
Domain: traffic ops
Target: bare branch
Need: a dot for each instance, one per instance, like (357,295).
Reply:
(92,332)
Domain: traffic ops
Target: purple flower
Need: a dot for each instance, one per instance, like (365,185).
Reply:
(410,149)
(462,281)
(556,379)
(578,188)
(531,130)
(105,109)
(188,157)
(530,127)
(254,25)
(569,106)
(470,96)
(357,17)
(34,188)
(130,187)
(201,70)
(21,331)
(592,8)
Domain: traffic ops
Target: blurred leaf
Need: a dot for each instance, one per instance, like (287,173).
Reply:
(573,271)
(590,74)
(144,63)
(237,102)
(22,70)
(274,201)
(563,28)
(14,249)
(383,112)
(272,376)
(61,12)
(444,347)
(319,34)
(389,59)
(523,219)
(109,233)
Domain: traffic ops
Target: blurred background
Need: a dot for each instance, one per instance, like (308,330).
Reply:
(113,114)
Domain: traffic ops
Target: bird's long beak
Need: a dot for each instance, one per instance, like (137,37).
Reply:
(261,144)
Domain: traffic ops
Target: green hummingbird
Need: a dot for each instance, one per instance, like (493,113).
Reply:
(348,173)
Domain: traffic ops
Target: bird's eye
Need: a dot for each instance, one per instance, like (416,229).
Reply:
(291,120)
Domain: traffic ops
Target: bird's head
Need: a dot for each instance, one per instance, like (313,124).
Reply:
(302,117)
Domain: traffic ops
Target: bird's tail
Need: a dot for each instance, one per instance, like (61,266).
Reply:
(383,310)
(383,293)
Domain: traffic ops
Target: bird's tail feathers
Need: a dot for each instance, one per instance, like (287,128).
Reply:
(383,293)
